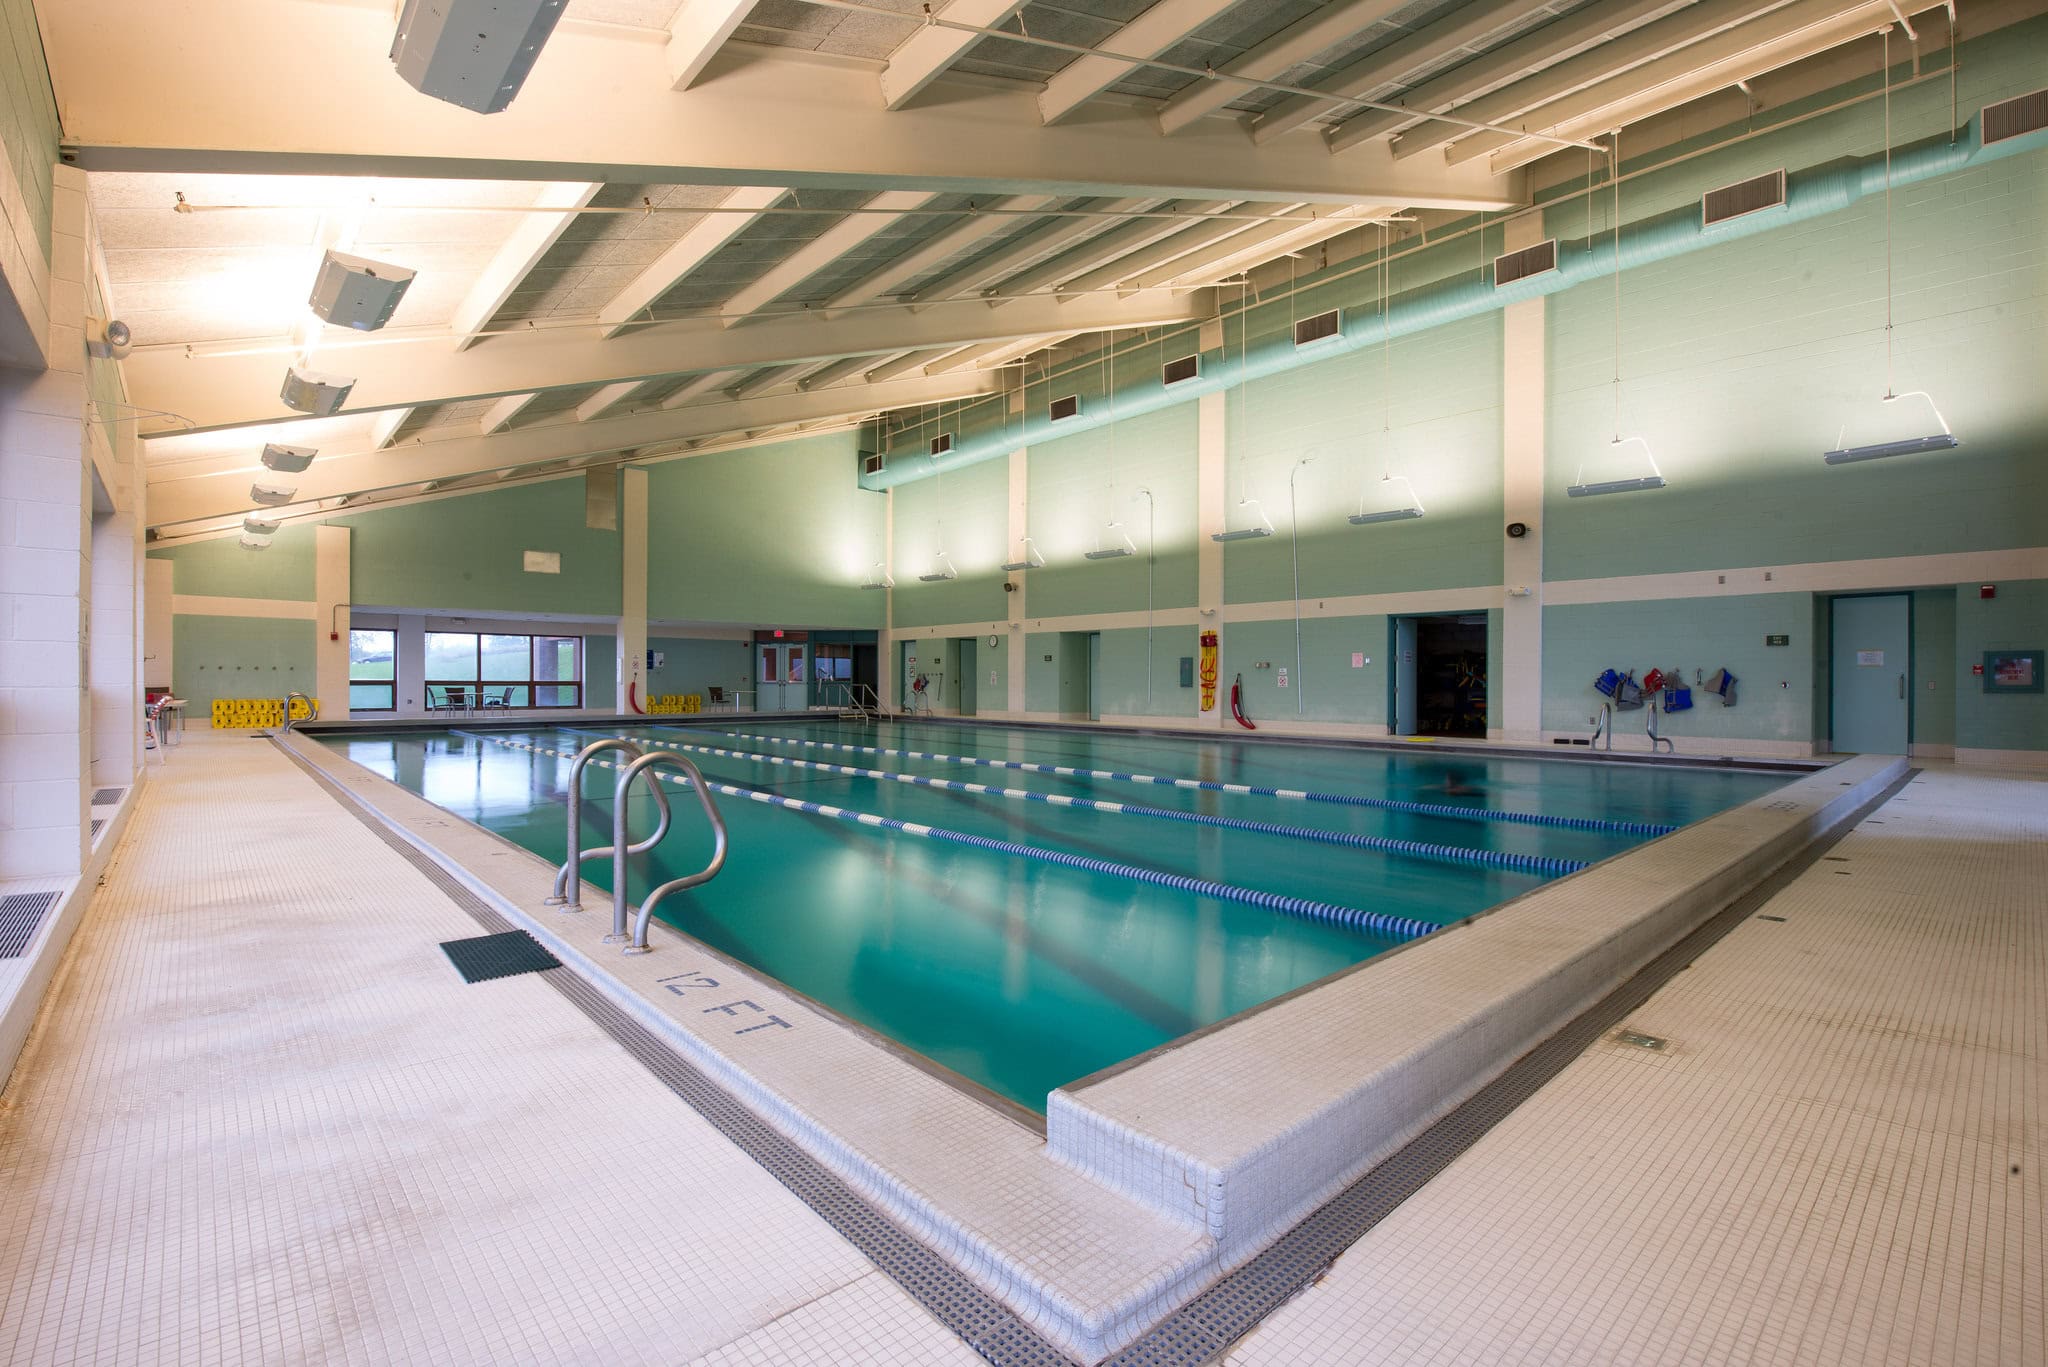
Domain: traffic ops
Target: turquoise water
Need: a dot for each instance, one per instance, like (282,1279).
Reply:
(1020,975)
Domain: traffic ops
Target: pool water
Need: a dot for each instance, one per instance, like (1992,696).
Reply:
(1021,975)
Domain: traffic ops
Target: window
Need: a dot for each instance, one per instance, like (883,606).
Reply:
(834,663)
(490,670)
(372,671)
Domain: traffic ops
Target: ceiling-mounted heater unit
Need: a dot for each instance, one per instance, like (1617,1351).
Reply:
(473,53)
(1061,409)
(1179,370)
(287,460)
(1540,259)
(1320,328)
(1753,196)
(942,443)
(2019,115)
(871,462)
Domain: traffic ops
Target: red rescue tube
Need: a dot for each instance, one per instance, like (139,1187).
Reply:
(633,701)
(1237,703)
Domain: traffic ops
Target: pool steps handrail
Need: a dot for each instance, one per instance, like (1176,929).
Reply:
(1657,743)
(312,712)
(1549,865)
(622,797)
(1576,823)
(1603,725)
(1380,923)
(568,893)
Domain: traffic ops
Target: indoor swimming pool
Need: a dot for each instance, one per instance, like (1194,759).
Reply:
(1025,906)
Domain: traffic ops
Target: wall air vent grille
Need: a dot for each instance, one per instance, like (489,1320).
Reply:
(1316,329)
(942,443)
(1185,368)
(1750,196)
(1068,407)
(1537,260)
(871,462)
(2011,118)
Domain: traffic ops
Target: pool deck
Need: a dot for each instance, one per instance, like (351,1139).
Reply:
(261,1119)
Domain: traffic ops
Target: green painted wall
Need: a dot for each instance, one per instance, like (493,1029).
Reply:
(239,657)
(466,553)
(775,535)
(1324,686)
(966,513)
(224,568)
(600,671)
(1773,697)
(2016,619)
(692,665)
(1121,689)
(28,112)
(1080,484)
(1934,666)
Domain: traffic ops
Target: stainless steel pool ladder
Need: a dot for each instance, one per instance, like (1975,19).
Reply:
(622,798)
(568,894)
(1657,742)
(1603,726)
(312,712)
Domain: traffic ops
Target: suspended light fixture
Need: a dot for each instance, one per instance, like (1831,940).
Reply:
(1945,439)
(1129,547)
(940,576)
(253,542)
(287,460)
(309,391)
(1265,527)
(1411,506)
(1579,488)
(1032,559)
(271,495)
(882,580)
(259,526)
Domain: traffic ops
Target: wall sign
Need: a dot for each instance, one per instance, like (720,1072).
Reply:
(1870,659)
(542,562)
(1358,659)
(1777,640)
(2013,671)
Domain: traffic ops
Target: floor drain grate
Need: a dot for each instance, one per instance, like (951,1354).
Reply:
(1640,1040)
(1771,918)
(21,914)
(97,822)
(498,956)
(104,797)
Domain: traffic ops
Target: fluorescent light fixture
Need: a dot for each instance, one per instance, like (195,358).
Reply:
(882,579)
(942,575)
(1032,559)
(1944,440)
(1654,480)
(257,526)
(1412,508)
(1265,527)
(254,542)
(271,495)
(311,392)
(287,460)
(1114,552)
(356,292)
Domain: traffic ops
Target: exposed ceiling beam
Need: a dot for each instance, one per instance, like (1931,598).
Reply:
(1259,244)
(699,385)
(831,372)
(221,493)
(926,54)
(1776,40)
(1666,36)
(239,385)
(994,355)
(695,34)
(906,362)
(762,380)
(1106,247)
(501,414)
(1170,249)
(688,252)
(518,254)
(600,107)
(1372,74)
(1055,236)
(945,245)
(605,400)
(1148,35)
(384,430)
(881,213)
(1601,22)
(1316,32)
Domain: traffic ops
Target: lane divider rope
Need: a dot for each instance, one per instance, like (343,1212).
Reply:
(1401,928)
(1578,823)
(1414,849)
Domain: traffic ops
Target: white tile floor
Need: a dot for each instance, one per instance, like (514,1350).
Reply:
(263,1120)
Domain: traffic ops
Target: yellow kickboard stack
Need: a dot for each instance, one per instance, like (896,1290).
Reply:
(672,704)
(249,714)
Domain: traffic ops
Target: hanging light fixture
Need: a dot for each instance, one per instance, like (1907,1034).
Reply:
(260,526)
(1032,559)
(946,570)
(882,580)
(1944,440)
(939,576)
(1244,328)
(1411,505)
(1265,527)
(1129,547)
(1579,487)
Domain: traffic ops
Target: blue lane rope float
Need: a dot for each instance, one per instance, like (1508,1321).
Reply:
(1416,849)
(1399,928)
(1576,823)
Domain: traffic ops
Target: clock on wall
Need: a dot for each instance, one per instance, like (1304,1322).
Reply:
(994,640)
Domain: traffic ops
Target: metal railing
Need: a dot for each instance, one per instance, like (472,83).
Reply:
(622,798)
(1657,742)
(568,894)
(853,700)
(1603,726)
(158,725)
(312,712)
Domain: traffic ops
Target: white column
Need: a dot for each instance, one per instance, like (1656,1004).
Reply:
(157,619)
(1522,439)
(1019,527)
(1211,452)
(331,604)
(632,668)
(116,662)
(885,653)
(412,665)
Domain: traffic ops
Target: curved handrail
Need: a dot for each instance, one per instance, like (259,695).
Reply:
(622,797)
(1603,725)
(1650,729)
(312,712)
(568,893)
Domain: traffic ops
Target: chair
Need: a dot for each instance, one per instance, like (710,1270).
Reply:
(716,700)
(457,699)
(500,697)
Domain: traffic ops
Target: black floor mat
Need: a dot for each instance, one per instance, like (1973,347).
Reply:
(498,956)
